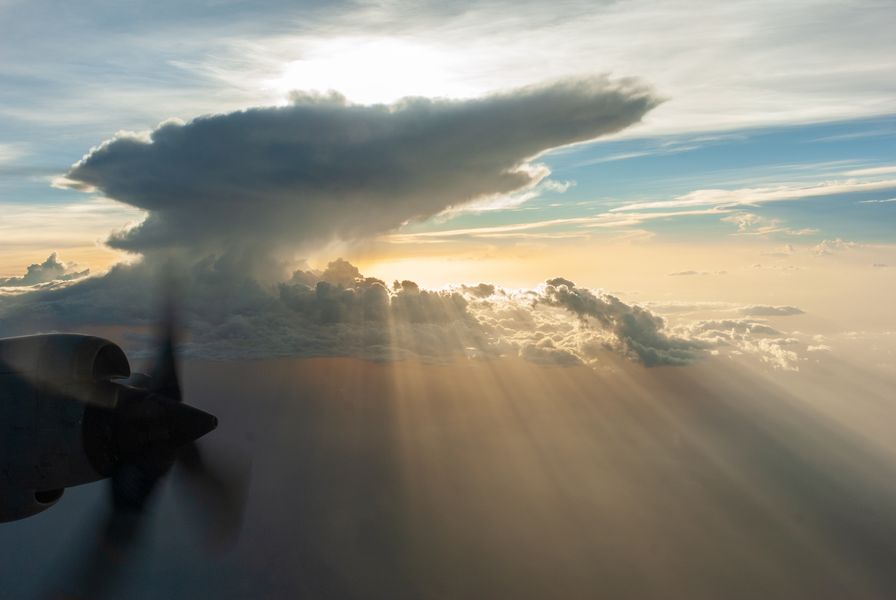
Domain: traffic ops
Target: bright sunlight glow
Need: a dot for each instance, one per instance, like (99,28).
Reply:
(373,71)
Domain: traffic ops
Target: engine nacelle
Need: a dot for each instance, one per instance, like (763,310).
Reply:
(64,364)
(64,357)
(48,384)
(18,503)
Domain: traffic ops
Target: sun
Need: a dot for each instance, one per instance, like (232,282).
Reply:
(374,70)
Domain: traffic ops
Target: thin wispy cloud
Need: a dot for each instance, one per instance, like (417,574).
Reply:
(871,171)
(754,196)
(757,225)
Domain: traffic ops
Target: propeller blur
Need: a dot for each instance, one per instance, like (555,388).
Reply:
(71,413)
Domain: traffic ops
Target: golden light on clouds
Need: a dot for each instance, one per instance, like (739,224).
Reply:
(76,230)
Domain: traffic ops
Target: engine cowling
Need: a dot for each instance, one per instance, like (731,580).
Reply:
(47,384)
(65,363)
(64,357)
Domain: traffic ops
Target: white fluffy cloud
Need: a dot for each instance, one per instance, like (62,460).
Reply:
(747,336)
(51,271)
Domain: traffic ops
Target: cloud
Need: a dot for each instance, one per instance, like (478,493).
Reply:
(48,272)
(637,332)
(760,195)
(691,273)
(9,153)
(885,170)
(828,247)
(774,352)
(544,351)
(483,290)
(783,252)
(609,220)
(674,307)
(762,310)
(61,225)
(729,328)
(776,267)
(746,336)
(321,169)
(818,348)
(753,224)
(339,312)
(515,199)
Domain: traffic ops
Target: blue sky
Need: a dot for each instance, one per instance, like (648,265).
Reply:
(607,176)
(756,96)
(780,117)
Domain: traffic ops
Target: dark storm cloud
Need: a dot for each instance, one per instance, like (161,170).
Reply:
(321,168)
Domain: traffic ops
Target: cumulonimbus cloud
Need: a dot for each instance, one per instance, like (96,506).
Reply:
(322,169)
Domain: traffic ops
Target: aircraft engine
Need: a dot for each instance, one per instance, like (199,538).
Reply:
(64,357)
(51,386)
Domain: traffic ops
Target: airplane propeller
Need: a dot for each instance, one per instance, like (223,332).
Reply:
(154,432)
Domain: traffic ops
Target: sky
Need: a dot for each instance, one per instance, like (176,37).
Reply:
(764,102)
(694,194)
(742,157)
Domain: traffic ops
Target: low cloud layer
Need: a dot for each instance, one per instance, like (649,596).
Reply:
(340,312)
(321,169)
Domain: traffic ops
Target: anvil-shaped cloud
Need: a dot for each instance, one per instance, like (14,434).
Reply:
(321,169)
